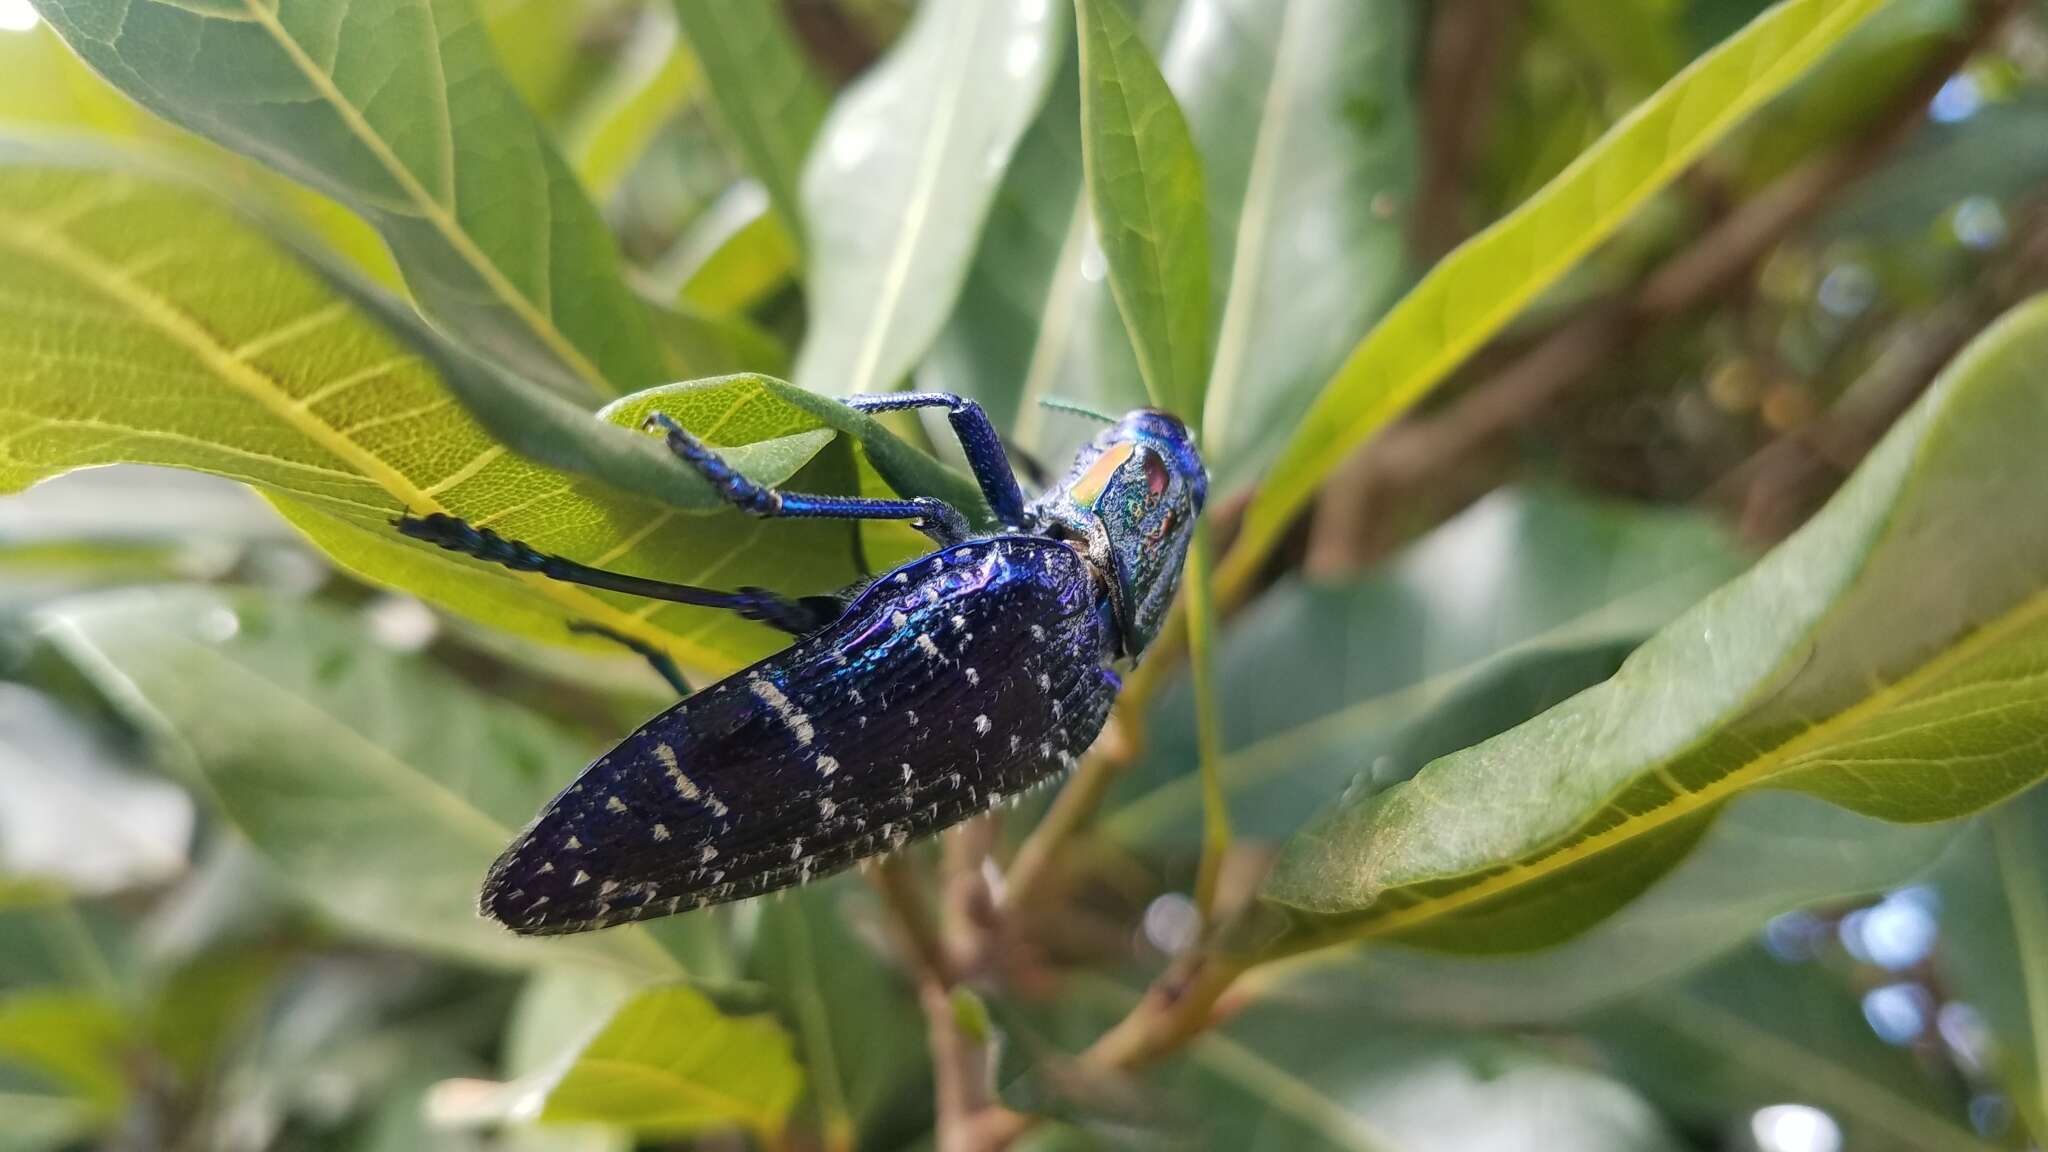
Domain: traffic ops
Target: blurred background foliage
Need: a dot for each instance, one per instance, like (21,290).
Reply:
(246,793)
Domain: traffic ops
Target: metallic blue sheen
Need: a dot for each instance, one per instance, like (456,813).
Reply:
(944,687)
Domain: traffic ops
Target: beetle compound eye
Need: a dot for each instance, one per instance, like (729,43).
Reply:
(1156,475)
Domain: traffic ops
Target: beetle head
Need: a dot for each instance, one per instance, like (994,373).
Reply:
(1130,504)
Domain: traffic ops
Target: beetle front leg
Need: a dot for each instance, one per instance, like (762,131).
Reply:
(986,456)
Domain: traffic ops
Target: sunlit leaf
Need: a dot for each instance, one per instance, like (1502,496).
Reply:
(736,255)
(901,178)
(195,341)
(380,788)
(1836,667)
(429,141)
(652,78)
(1474,292)
(671,1064)
(1145,188)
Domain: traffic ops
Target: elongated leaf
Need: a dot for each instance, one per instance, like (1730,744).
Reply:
(1838,666)
(1478,289)
(858,1029)
(143,323)
(1994,945)
(650,81)
(905,168)
(1518,602)
(379,788)
(1302,112)
(736,255)
(669,1064)
(1145,188)
(1755,1032)
(768,98)
(1772,852)
(398,110)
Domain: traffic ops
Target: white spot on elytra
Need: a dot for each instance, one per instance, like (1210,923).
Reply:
(925,645)
(827,765)
(1038,632)
(982,725)
(1015,740)
(792,717)
(708,855)
(898,619)
(973,677)
(903,577)
(614,804)
(959,621)
(906,772)
(546,867)
(1044,682)
(572,844)
(580,879)
(666,755)
(607,888)
(954,779)
(826,807)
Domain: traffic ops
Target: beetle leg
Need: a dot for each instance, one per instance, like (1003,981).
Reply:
(935,518)
(986,455)
(660,660)
(796,616)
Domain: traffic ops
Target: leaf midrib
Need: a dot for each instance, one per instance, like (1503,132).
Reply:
(712,1099)
(171,321)
(917,213)
(1254,225)
(1759,768)
(429,208)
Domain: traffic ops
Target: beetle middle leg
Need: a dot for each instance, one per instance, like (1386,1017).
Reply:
(795,615)
(935,518)
(661,661)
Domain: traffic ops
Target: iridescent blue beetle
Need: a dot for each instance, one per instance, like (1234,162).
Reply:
(907,704)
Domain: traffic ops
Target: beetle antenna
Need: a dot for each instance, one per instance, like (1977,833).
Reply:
(1075,407)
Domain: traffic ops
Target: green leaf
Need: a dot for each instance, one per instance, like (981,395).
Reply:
(1994,944)
(858,1028)
(767,97)
(1834,667)
(737,254)
(1517,602)
(398,110)
(71,1039)
(2001,152)
(1145,187)
(1475,291)
(146,324)
(901,179)
(1770,853)
(1303,114)
(1756,1031)
(669,1064)
(379,787)
(650,81)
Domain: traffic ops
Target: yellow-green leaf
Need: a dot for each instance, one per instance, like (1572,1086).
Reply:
(145,323)
(398,109)
(1475,291)
(1888,658)
(670,1064)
